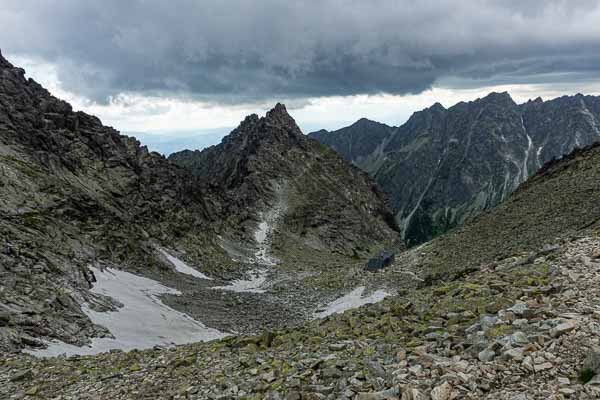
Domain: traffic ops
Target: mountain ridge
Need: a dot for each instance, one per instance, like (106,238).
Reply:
(466,158)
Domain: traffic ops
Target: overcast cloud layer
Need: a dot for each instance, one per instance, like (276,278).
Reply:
(239,51)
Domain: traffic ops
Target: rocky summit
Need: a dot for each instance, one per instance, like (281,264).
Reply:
(444,166)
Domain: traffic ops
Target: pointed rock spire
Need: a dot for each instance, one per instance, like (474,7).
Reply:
(279,116)
(499,98)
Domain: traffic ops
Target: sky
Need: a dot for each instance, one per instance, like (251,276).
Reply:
(196,67)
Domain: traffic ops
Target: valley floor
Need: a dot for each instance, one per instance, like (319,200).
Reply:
(523,328)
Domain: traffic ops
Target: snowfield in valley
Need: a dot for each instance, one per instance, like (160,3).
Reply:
(354,299)
(143,321)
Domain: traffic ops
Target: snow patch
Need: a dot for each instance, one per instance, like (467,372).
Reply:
(529,147)
(182,267)
(539,153)
(262,257)
(354,299)
(261,233)
(143,321)
(252,285)
(261,236)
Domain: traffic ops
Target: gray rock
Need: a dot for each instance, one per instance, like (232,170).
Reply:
(21,376)
(413,394)
(442,392)
(486,355)
(592,361)
(519,338)
(293,395)
(519,308)
(520,396)
(543,367)
(488,321)
(513,354)
(337,346)
(563,328)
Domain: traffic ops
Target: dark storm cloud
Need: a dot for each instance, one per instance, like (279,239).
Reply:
(240,50)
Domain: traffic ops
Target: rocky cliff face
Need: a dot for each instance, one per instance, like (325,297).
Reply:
(322,202)
(444,166)
(74,193)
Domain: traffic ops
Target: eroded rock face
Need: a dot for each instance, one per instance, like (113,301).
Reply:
(444,166)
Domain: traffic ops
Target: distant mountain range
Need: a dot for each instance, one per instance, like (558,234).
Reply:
(444,166)
(171,142)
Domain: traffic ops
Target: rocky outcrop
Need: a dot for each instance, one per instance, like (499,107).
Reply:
(444,166)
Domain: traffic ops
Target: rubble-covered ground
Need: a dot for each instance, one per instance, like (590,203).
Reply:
(525,327)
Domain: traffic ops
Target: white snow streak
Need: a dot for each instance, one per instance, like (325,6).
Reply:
(354,299)
(529,147)
(262,237)
(539,153)
(182,267)
(252,285)
(143,321)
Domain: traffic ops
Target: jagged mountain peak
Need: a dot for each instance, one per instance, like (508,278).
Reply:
(277,124)
(437,107)
(268,161)
(279,115)
(501,99)
(368,123)
(498,97)
(537,100)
